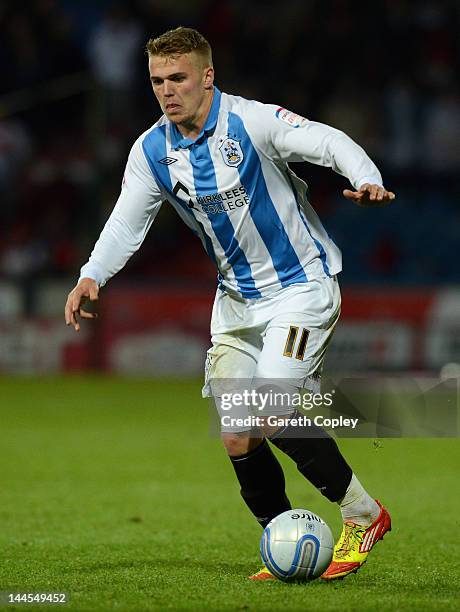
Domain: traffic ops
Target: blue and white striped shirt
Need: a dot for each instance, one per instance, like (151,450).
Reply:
(233,187)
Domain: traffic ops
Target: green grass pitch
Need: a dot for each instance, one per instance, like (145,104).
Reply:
(115,492)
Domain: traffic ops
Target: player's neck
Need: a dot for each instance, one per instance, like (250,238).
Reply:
(192,128)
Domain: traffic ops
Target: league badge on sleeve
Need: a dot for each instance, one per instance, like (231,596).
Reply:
(231,151)
(290,118)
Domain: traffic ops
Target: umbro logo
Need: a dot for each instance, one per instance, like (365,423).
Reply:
(167,161)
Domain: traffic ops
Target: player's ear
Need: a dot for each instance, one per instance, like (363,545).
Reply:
(208,77)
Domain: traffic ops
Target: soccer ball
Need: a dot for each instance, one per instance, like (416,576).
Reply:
(297,545)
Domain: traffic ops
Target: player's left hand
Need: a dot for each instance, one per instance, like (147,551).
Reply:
(370,195)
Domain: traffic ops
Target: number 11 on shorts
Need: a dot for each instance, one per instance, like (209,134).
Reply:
(291,341)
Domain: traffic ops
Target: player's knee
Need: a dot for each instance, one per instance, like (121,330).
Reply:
(235,444)
(239,443)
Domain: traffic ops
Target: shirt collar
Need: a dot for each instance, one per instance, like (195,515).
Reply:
(178,141)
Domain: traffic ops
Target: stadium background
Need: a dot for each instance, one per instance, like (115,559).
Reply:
(75,94)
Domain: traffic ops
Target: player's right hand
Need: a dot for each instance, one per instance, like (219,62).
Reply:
(86,289)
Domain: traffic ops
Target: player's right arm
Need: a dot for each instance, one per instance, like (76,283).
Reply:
(136,208)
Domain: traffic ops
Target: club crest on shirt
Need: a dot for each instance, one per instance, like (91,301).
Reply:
(231,151)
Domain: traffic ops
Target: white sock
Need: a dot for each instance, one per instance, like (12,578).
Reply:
(357,505)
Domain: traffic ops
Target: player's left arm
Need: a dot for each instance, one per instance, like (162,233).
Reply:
(288,137)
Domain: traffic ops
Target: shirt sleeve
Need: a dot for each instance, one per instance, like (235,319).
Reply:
(288,137)
(134,212)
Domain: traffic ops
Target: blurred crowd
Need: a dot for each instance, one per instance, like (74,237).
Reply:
(75,93)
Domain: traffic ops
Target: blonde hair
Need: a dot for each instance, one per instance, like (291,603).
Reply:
(179,41)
